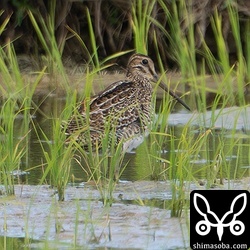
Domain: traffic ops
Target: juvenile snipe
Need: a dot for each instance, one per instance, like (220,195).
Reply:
(123,109)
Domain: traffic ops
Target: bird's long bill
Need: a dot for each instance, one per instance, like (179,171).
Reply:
(164,86)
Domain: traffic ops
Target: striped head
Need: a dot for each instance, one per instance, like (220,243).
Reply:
(141,68)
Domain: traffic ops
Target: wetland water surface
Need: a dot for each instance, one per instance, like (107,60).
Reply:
(228,127)
(140,215)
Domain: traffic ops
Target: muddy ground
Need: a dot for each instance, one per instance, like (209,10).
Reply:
(81,220)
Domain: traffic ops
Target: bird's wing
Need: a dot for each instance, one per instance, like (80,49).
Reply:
(118,102)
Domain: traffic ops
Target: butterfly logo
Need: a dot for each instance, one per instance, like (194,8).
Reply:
(236,227)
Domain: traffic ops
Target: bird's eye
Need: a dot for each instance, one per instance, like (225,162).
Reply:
(144,61)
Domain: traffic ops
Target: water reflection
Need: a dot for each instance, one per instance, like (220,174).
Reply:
(235,163)
(11,243)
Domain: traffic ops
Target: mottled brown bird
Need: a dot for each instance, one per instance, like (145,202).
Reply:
(123,109)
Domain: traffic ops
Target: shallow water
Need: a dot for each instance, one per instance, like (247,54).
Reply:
(231,126)
(81,221)
(136,196)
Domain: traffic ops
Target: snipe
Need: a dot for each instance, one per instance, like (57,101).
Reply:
(123,109)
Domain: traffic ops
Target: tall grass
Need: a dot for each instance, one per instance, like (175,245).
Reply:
(170,153)
(185,149)
(45,30)
(102,168)
(16,104)
(11,149)
(58,157)
(141,24)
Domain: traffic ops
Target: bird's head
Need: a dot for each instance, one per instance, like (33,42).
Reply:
(141,69)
